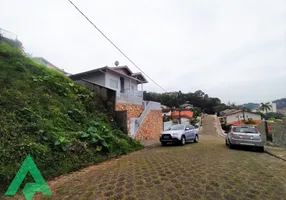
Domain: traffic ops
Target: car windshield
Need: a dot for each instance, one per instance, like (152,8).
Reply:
(245,130)
(178,127)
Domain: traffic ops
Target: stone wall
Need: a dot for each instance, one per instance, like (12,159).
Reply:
(278,131)
(133,110)
(151,127)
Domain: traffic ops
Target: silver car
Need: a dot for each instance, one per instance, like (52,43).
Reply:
(244,135)
(179,133)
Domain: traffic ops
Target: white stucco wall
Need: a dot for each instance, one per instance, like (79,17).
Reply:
(128,83)
(167,114)
(233,118)
(98,78)
(108,76)
(274,107)
(184,120)
(134,84)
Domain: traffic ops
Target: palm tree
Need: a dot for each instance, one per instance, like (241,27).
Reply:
(265,106)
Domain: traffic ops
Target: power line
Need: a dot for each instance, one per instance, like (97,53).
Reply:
(114,45)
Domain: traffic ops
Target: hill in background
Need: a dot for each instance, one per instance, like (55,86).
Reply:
(281,103)
(251,105)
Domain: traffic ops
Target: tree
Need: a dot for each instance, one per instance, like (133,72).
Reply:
(274,115)
(265,106)
(198,99)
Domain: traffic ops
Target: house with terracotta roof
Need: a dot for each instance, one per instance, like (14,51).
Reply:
(235,116)
(185,115)
(166,112)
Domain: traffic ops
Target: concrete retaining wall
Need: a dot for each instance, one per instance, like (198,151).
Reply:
(151,126)
(133,111)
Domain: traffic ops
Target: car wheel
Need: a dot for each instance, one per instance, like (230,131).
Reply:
(261,149)
(183,140)
(164,143)
(196,140)
(230,145)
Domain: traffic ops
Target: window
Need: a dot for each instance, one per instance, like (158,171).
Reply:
(178,127)
(121,84)
(245,130)
(113,83)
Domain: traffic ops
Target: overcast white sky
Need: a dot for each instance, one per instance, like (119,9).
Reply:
(231,49)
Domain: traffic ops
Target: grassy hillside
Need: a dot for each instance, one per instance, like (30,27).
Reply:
(45,114)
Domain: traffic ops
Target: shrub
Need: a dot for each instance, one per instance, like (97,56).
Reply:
(249,121)
(194,121)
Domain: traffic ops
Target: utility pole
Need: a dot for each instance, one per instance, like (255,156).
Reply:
(243,114)
(179,107)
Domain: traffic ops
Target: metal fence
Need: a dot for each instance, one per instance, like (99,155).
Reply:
(274,132)
(11,38)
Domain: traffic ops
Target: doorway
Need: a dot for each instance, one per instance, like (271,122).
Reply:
(121,84)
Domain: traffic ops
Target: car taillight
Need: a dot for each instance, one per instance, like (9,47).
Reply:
(231,131)
(232,128)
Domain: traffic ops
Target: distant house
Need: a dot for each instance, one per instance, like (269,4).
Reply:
(186,106)
(185,115)
(164,107)
(45,62)
(120,78)
(236,117)
(166,112)
(225,112)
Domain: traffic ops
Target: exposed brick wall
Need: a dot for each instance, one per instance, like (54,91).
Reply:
(151,127)
(133,110)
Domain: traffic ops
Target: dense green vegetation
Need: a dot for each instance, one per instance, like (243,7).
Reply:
(272,115)
(201,101)
(251,106)
(45,114)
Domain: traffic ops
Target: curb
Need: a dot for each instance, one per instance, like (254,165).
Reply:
(274,155)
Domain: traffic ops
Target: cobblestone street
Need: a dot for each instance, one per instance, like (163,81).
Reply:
(207,170)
